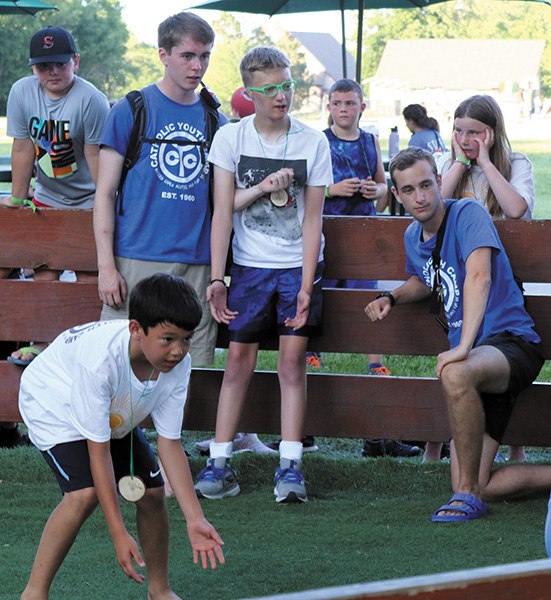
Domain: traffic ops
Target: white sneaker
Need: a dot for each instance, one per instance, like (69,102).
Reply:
(249,442)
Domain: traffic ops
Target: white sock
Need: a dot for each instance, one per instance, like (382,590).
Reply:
(290,450)
(221,450)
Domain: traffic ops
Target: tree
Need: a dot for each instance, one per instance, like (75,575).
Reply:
(143,67)
(229,47)
(471,19)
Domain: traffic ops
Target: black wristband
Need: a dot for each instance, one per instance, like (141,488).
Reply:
(220,280)
(389,296)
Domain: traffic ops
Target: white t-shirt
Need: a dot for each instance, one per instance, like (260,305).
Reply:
(78,388)
(522,180)
(266,236)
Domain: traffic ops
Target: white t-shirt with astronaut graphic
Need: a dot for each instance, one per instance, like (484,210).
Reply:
(267,236)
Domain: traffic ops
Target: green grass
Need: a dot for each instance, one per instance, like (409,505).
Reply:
(367,520)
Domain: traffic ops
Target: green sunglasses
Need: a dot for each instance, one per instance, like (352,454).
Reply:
(271,90)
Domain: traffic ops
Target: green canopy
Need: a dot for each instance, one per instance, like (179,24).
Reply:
(22,7)
(279,7)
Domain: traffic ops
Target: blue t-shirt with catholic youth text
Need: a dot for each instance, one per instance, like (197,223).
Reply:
(351,158)
(165,196)
(429,140)
(470,227)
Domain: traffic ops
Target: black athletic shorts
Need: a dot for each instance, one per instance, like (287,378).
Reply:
(70,462)
(526,362)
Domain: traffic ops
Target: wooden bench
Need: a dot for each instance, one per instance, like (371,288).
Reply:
(517,581)
(338,405)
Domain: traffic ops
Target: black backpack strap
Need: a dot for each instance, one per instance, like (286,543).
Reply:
(437,296)
(211,105)
(137,137)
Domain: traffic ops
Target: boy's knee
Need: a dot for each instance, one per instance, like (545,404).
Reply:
(455,379)
(83,501)
(154,499)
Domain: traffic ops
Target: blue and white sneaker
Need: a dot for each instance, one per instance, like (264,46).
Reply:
(289,482)
(217,480)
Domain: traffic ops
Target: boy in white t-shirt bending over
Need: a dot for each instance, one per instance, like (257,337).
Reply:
(83,398)
(270,177)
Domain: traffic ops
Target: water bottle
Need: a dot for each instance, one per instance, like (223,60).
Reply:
(393,142)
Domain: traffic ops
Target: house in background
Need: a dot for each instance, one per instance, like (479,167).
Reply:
(440,73)
(323,55)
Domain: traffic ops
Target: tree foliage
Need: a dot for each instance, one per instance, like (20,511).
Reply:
(230,46)
(468,19)
(100,34)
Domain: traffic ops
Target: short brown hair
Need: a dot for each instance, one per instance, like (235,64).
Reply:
(262,58)
(407,158)
(184,25)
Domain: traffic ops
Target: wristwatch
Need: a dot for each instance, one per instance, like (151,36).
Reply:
(388,295)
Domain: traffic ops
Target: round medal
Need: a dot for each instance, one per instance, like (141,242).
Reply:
(131,488)
(279,198)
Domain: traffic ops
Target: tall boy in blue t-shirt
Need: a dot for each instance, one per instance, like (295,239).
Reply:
(270,175)
(494,350)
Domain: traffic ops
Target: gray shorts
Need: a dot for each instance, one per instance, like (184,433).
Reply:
(133,270)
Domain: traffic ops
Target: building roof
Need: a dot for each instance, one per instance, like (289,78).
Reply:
(328,51)
(450,64)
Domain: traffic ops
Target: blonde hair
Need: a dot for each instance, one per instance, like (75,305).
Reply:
(262,58)
(486,110)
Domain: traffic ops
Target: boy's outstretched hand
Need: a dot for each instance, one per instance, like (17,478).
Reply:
(303,308)
(127,552)
(205,542)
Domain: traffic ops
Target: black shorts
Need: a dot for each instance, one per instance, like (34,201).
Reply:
(526,362)
(70,462)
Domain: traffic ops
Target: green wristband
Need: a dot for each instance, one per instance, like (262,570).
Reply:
(463,161)
(327,192)
(24,203)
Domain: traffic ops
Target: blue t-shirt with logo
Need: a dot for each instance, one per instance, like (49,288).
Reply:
(429,139)
(470,227)
(351,158)
(166,213)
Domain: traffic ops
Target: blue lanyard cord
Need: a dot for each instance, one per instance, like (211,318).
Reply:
(133,408)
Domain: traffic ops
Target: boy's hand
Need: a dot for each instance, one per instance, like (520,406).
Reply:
(111,288)
(303,308)
(126,549)
(378,309)
(206,542)
(280,180)
(456,354)
(217,298)
(346,187)
(368,189)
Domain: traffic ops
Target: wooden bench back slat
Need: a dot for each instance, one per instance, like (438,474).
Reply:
(351,406)
(373,247)
(41,310)
(356,247)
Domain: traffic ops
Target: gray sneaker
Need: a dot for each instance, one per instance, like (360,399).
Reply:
(289,482)
(217,480)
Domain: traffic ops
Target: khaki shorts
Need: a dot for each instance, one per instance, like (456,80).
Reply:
(132,270)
